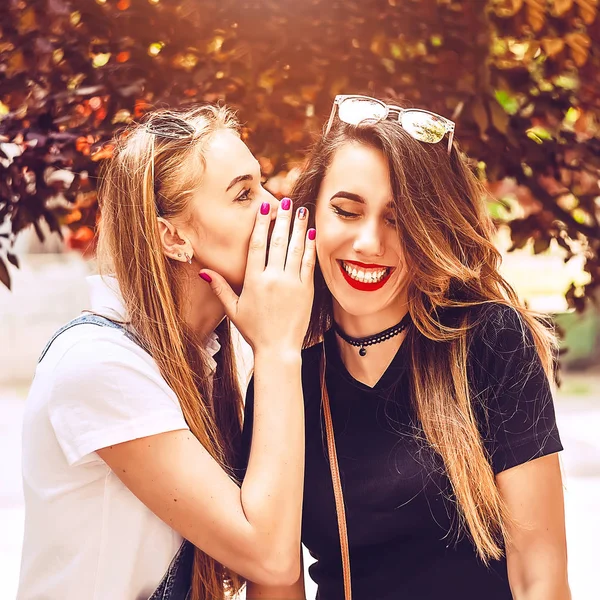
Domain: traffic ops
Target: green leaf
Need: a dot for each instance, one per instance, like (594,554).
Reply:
(436,40)
(508,102)
(539,134)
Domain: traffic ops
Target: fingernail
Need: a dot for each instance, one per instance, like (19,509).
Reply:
(302,212)
(206,277)
(312,234)
(285,204)
(265,208)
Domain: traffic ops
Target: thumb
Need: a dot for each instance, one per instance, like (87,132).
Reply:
(222,291)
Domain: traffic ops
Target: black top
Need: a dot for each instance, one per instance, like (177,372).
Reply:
(401,515)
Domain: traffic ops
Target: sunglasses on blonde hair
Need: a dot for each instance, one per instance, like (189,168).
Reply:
(170,127)
(422,125)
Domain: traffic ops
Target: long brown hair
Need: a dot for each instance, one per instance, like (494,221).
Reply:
(446,238)
(150,175)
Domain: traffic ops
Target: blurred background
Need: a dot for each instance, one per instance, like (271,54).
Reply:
(521,78)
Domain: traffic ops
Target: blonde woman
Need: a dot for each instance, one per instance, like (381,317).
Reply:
(133,421)
(436,380)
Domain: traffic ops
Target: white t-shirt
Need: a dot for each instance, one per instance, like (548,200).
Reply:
(86,535)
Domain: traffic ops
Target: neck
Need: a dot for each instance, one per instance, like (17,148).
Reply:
(202,310)
(369,368)
(359,326)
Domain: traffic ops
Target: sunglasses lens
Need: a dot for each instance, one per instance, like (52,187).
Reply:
(423,126)
(355,110)
(170,127)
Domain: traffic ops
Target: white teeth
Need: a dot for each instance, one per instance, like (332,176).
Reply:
(366,276)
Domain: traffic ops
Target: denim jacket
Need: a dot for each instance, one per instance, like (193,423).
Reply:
(176,582)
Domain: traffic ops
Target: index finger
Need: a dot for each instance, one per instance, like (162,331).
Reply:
(257,250)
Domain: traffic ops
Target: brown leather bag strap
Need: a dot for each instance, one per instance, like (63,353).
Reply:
(337,483)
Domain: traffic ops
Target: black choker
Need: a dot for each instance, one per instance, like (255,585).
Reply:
(373,339)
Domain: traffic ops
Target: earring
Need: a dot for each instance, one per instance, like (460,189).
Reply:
(188,258)
(179,255)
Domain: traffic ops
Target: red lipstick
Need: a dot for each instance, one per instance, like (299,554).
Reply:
(364,286)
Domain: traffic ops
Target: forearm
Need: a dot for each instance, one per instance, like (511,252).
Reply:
(292,592)
(544,590)
(271,493)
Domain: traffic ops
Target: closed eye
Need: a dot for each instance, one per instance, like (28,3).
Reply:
(343,213)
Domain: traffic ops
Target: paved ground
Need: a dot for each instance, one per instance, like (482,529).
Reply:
(578,409)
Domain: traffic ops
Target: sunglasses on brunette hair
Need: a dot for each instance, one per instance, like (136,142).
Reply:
(422,125)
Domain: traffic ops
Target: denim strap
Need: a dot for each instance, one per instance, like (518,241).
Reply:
(87,320)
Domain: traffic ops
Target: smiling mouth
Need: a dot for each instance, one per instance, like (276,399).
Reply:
(364,277)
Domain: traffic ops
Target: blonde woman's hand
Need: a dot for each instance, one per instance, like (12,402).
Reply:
(273,310)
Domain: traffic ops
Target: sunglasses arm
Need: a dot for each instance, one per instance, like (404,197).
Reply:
(450,140)
(329,123)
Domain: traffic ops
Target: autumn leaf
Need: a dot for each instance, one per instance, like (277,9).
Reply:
(536,13)
(507,8)
(579,43)
(552,46)
(4,274)
(12,259)
(588,10)
(560,7)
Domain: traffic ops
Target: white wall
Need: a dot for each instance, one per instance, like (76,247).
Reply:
(47,291)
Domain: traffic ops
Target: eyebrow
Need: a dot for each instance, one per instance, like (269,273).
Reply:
(349,196)
(238,179)
(353,197)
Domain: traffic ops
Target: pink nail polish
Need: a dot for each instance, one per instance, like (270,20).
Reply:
(285,204)
(312,234)
(265,208)
(206,277)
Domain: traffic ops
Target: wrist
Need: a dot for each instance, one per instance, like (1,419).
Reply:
(278,355)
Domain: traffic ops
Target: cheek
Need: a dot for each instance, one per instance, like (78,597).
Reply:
(329,238)
(224,240)
(332,232)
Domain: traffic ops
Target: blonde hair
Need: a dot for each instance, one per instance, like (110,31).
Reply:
(446,238)
(154,169)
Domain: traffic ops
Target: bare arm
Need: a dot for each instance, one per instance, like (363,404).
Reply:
(255,530)
(537,551)
(292,592)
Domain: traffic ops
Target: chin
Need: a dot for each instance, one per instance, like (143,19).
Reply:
(359,309)
(362,304)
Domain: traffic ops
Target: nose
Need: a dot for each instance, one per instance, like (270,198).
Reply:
(369,239)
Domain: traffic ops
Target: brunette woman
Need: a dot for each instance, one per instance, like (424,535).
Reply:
(431,442)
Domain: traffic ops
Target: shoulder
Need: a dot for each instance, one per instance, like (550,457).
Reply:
(503,355)
(89,356)
(496,327)
(502,351)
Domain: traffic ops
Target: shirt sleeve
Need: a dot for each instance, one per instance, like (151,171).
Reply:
(512,393)
(105,392)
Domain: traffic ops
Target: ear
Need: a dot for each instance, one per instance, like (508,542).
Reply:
(173,245)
